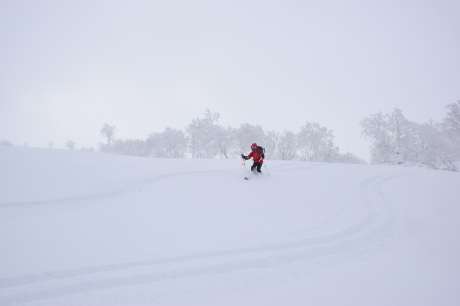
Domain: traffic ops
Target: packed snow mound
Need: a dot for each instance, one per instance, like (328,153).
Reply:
(98,229)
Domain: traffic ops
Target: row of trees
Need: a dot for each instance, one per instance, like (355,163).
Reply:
(205,138)
(395,139)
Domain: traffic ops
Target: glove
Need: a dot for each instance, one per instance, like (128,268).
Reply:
(244,157)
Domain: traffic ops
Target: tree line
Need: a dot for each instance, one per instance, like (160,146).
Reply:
(204,137)
(394,139)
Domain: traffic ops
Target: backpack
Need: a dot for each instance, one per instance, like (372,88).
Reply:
(261,150)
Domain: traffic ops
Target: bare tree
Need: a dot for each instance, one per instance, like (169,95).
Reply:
(70,144)
(108,131)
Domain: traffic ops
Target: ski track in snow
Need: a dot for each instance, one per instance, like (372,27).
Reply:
(383,224)
(112,192)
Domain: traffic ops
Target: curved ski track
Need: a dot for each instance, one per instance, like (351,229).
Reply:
(383,223)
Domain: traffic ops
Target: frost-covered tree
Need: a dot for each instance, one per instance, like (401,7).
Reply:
(316,143)
(202,135)
(452,121)
(429,146)
(174,143)
(451,129)
(154,145)
(132,147)
(397,140)
(171,143)
(70,144)
(374,130)
(400,129)
(349,158)
(288,145)
(248,134)
(390,134)
(108,131)
(226,141)
(271,144)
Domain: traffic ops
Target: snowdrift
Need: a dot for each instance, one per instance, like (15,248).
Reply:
(86,228)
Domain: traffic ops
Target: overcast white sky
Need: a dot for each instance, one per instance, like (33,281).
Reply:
(67,67)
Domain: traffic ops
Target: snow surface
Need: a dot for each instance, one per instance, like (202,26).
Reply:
(86,228)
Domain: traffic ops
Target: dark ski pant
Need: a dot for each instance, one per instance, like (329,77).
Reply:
(257,166)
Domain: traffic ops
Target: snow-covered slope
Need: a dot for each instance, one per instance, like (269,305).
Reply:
(85,228)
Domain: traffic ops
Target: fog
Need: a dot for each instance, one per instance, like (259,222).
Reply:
(69,67)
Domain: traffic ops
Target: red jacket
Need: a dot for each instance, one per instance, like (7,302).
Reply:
(258,157)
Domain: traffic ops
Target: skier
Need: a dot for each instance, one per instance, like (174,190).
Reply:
(258,156)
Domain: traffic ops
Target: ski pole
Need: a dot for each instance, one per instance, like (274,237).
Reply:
(266,168)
